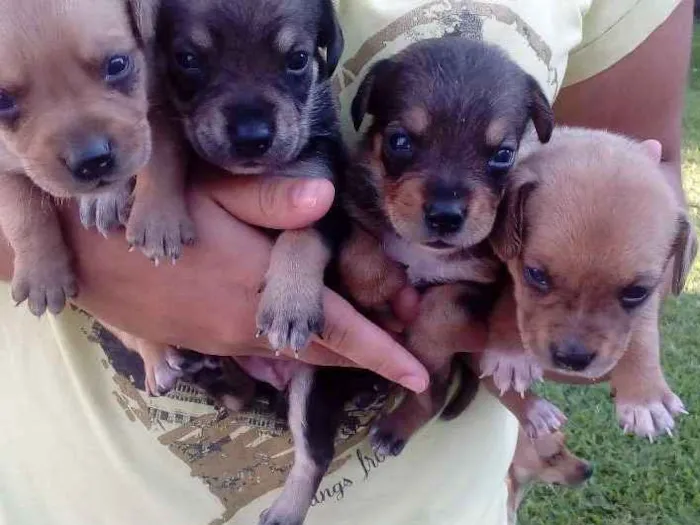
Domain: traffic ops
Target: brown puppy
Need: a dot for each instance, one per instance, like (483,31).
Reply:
(589,229)
(250,81)
(448,118)
(542,460)
(74,123)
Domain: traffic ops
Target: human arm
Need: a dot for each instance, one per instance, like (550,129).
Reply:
(643,94)
(208,300)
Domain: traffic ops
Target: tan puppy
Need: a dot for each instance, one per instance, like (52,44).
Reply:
(542,460)
(74,122)
(588,230)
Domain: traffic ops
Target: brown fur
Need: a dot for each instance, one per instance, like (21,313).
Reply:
(449,125)
(592,211)
(54,57)
(543,460)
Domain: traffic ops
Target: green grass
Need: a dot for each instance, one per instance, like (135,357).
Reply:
(637,483)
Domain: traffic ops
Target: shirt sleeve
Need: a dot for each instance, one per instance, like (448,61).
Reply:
(611,30)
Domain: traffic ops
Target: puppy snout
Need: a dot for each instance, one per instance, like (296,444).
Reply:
(571,355)
(91,160)
(252,131)
(445,217)
(586,470)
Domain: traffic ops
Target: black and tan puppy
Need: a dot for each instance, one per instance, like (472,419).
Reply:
(250,81)
(589,230)
(449,115)
(75,122)
(251,86)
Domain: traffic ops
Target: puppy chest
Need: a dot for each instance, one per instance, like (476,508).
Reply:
(424,266)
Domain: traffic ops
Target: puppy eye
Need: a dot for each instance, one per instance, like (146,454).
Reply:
(502,160)
(537,278)
(633,296)
(8,105)
(400,144)
(118,67)
(297,61)
(188,61)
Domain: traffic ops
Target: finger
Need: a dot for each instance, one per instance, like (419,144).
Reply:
(314,354)
(406,305)
(352,336)
(274,202)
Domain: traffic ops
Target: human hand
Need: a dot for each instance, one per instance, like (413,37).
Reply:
(208,300)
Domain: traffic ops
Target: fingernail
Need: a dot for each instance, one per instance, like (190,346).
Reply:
(414,383)
(305,193)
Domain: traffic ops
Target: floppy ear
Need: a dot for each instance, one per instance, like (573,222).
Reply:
(330,35)
(365,99)
(683,251)
(142,15)
(508,234)
(540,111)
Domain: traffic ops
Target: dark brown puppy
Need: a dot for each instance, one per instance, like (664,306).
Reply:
(543,460)
(251,86)
(449,115)
(250,80)
(589,230)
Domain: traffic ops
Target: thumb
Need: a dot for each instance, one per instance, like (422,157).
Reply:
(274,202)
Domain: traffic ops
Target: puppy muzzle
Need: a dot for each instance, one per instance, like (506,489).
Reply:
(571,355)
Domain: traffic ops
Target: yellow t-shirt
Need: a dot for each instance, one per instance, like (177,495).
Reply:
(81,443)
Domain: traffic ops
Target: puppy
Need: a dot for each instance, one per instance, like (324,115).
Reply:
(424,190)
(542,460)
(588,230)
(74,122)
(252,89)
(250,81)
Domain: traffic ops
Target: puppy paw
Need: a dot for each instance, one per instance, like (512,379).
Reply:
(511,370)
(290,313)
(107,211)
(385,439)
(44,285)
(159,231)
(273,516)
(542,418)
(652,417)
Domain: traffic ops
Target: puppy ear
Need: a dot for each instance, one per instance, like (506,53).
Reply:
(365,99)
(142,15)
(508,234)
(683,251)
(540,111)
(330,35)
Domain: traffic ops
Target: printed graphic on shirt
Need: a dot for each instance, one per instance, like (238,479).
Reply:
(447,18)
(240,456)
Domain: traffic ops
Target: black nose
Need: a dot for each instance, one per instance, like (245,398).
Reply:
(251,131)
(586,471)
(445,217)
(92,160)
(571,355)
